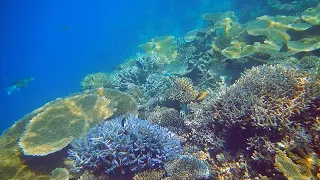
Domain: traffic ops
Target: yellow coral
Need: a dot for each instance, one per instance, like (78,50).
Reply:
(312,15)
(161,44)
(238,50)
(285,165)
(275,27)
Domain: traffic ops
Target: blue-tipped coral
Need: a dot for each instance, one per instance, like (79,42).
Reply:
(124,146)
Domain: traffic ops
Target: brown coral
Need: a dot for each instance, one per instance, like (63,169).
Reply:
(149,175)
(269,95)
(182,90)
(166,117)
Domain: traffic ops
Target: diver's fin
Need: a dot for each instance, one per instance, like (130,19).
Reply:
(9,90)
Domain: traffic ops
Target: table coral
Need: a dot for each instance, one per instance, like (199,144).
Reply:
(66,118)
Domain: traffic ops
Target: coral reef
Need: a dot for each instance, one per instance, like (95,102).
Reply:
(124,146)
(242,98)
(88,176)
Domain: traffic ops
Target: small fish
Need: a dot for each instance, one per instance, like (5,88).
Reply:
(18,85)
(202,95)
(123,120)
(168,74)
(139,64)
(184,108)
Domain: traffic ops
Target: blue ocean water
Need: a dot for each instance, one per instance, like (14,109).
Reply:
(60,42)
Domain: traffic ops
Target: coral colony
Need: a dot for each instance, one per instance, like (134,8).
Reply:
(125,145)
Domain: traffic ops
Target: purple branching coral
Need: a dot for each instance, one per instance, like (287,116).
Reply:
(125,146)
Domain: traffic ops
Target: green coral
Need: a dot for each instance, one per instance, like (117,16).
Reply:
(97,80)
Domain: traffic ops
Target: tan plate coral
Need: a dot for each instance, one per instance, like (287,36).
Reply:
(67,118)
(11,166)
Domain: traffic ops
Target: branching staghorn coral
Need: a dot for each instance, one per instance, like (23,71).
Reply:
(130,73)
(268,95)
(125,146)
